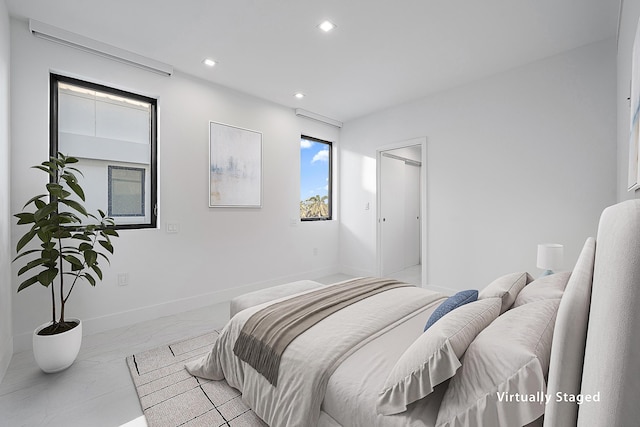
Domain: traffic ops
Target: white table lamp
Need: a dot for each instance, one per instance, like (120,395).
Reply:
(549,257)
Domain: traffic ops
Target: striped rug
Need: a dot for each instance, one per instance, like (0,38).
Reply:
(171,397)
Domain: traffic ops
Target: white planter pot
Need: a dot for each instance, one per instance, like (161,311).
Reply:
(55,353)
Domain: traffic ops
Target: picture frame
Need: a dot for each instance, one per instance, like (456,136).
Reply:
(235,166)
(634,130)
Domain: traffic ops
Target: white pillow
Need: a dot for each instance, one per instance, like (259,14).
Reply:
(507,288)
(547,287)
(433,357)
(506,361)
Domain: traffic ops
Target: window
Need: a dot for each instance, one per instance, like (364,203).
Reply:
(113,134)
(126,191)
(315,179)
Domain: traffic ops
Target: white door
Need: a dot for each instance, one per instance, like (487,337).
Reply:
(412,215)
(392,214)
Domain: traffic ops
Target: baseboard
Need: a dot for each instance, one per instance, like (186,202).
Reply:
(6,352)
(23,342)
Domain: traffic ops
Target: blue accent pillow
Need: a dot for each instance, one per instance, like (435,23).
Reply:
(451,303)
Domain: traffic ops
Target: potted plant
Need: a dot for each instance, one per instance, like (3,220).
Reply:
(69,252)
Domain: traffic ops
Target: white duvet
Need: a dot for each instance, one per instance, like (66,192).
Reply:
(311,358)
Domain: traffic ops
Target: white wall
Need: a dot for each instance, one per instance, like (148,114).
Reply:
(218,253)
(6,339)
(520,158)
(626,35)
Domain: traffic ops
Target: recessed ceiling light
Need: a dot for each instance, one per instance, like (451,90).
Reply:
(327,26)
(209,62)
(299,95)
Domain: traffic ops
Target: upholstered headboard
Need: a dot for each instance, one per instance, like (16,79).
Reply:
(612,356)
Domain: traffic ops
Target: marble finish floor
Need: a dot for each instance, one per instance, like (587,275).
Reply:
(97,389)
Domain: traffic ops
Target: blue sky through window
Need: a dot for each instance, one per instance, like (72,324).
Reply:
(314,169)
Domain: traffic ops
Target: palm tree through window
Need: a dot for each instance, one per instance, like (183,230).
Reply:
(315,179)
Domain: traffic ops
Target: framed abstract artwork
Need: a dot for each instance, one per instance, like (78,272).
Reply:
(235,166)
(634,134)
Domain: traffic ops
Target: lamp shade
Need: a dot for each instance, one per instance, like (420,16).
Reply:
(550,256)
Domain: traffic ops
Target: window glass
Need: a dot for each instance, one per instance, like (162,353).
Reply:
(126,191)
(315,179)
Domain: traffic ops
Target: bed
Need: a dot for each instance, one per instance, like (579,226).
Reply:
(547,351)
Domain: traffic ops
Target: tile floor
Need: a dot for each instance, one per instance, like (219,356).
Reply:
(97,389)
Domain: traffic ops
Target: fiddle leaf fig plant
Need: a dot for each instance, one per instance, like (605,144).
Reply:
(69,251)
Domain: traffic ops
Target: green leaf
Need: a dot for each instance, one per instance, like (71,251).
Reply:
(73,260)
(90,257)
(61,234)
(102,214)
(76,189)
(45,211)
(45,169)
(110,232)
(76,170)
(25,253)
(25,239)
(57,190)
(81,236)
(50,255)
(97,270)
(75,205)
(44,235)
(48,246)
(30,265)
(68,218)
(52,165)
(70,159)
(58,161)
(105,244)
(85,247)
(25,218)
(30,281)
(47,277)
(90,278)
(105,257)
(33,199)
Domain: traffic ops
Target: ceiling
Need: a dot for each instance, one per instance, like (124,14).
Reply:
(381,54)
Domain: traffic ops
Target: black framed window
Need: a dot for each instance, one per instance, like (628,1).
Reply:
(315,179)
(113,133)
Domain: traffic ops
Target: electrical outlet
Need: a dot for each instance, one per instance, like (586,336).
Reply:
(173,227)
(123,279)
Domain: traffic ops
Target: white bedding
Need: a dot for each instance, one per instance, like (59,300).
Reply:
(310,360)
(352,391)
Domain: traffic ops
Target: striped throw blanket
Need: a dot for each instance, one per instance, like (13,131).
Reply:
(268,332)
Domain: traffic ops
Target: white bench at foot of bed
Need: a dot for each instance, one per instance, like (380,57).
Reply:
(252,299)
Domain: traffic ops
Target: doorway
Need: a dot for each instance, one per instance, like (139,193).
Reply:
(401,201)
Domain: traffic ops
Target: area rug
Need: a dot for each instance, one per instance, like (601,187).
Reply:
(171,397)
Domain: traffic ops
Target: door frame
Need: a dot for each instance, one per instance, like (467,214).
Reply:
(422,142)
